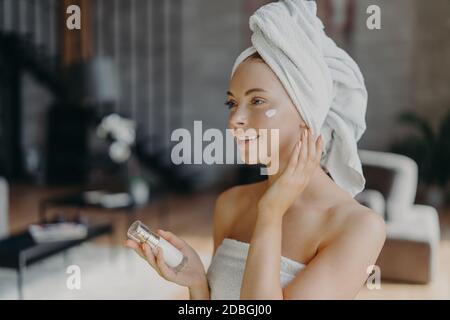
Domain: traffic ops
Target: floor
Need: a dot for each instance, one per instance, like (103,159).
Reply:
(190,217)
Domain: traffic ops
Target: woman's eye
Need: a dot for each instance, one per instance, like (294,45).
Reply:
(230,104)
(258,101)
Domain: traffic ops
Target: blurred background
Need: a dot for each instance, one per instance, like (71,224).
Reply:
(86,118)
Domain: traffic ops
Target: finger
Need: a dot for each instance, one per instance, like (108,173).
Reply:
(131,244)
(303,151)
(311,147)
(173,239)
(314,159)
(310,161)
(319,146)
(150,257)
(136,247)
(166,271)
(294,157)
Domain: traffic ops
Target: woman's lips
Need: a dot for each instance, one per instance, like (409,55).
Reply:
(246,140)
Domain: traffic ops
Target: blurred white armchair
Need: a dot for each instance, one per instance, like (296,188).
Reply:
(410,250)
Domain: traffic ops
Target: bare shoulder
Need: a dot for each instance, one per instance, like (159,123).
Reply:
(232,199)
(353,221)
(353,237)
(228,204)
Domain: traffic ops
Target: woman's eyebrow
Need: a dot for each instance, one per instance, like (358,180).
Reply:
(254,90)
(248,91)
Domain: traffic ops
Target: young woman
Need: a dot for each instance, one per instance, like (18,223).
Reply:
(296,235)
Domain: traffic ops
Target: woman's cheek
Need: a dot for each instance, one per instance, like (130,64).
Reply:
(266,119)
(286,135)
(270,113)
(271,131)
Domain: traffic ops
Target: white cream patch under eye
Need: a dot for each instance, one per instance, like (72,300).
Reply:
(270,113)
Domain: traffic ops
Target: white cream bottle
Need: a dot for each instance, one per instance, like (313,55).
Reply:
(142,234)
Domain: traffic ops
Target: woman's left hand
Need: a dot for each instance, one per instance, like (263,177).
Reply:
(304,160)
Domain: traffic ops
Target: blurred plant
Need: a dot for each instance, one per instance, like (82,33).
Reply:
(431,150)
(122,132)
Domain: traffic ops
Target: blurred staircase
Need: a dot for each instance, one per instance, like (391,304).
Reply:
(20,52)
(28,43)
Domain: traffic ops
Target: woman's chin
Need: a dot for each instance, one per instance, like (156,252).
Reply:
(249,158)
(252,159)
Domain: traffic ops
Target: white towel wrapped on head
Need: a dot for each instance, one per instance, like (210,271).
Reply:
(323,81)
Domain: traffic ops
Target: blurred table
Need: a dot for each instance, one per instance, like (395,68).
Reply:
(20,250)
(79,202)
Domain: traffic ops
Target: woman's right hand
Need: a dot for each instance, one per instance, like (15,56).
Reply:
(191,275)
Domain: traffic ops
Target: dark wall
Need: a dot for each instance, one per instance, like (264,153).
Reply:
(402,63)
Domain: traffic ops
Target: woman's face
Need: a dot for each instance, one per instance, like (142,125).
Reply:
(257,100)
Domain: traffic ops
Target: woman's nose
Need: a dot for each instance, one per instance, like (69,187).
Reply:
(239,119)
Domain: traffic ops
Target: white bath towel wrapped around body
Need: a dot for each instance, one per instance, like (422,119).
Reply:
(323,81)
(226,271)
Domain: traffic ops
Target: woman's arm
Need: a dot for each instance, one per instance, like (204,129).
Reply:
(337,272)
(199,292)
(262,271)
(261,279)
(340,268)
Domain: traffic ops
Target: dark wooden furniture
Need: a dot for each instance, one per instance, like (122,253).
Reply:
(20,250)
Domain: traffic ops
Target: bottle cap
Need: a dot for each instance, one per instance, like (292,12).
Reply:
(140,233)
